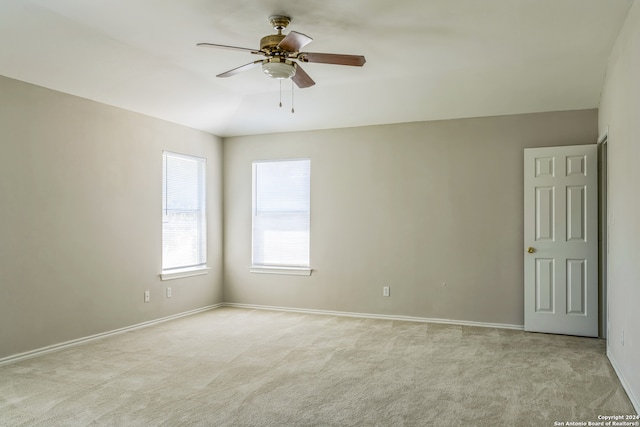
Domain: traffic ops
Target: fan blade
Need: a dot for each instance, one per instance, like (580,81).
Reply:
(241,68)
(332,58)
(294,41)
(221,46)
(301,78)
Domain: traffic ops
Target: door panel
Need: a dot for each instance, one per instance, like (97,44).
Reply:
(561,240)
(576,213)
(576,285)
(544,213)
(545,285)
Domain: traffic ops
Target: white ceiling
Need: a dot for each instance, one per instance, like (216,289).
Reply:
(426,59)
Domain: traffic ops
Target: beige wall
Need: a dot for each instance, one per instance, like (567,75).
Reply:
(408,206)
(620,112)
(80,210)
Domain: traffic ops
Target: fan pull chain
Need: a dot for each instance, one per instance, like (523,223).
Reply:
(280,93)
(292,110)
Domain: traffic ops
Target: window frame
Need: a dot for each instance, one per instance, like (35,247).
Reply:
(200,268)
(277,269)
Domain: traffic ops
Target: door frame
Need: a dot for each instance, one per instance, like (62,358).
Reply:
(603,233)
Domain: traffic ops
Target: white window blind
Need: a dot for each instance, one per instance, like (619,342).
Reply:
(281,213)
(184,243)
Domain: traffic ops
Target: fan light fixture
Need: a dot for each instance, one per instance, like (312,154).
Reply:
(282,55)
(278,69)
(281,51)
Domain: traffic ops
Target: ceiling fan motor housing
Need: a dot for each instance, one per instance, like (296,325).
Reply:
(270,42)
(279,23)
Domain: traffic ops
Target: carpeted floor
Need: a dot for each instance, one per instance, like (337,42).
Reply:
(238,367)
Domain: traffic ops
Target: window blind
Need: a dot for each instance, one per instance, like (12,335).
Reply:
(281,213)
(184,241)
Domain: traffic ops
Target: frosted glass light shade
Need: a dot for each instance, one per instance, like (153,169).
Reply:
(279,70)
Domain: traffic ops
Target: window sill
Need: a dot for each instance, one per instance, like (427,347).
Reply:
(184,272)
(296,271)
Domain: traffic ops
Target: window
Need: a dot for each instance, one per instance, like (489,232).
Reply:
(281,216)
(184,228)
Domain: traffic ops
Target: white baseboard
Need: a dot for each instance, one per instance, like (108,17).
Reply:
(377,316)
(66,344)
(632,397)
(60,346)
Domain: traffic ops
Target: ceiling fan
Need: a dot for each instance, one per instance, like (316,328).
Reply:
(281,51)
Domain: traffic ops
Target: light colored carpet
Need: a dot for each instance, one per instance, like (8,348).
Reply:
(238,367)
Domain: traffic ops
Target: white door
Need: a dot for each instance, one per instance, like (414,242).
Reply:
(561,240)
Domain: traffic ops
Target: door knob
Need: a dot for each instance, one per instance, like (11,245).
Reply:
(531,250)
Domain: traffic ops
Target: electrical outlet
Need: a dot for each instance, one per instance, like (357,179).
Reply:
(385,291)
(147,296)
(168,292)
